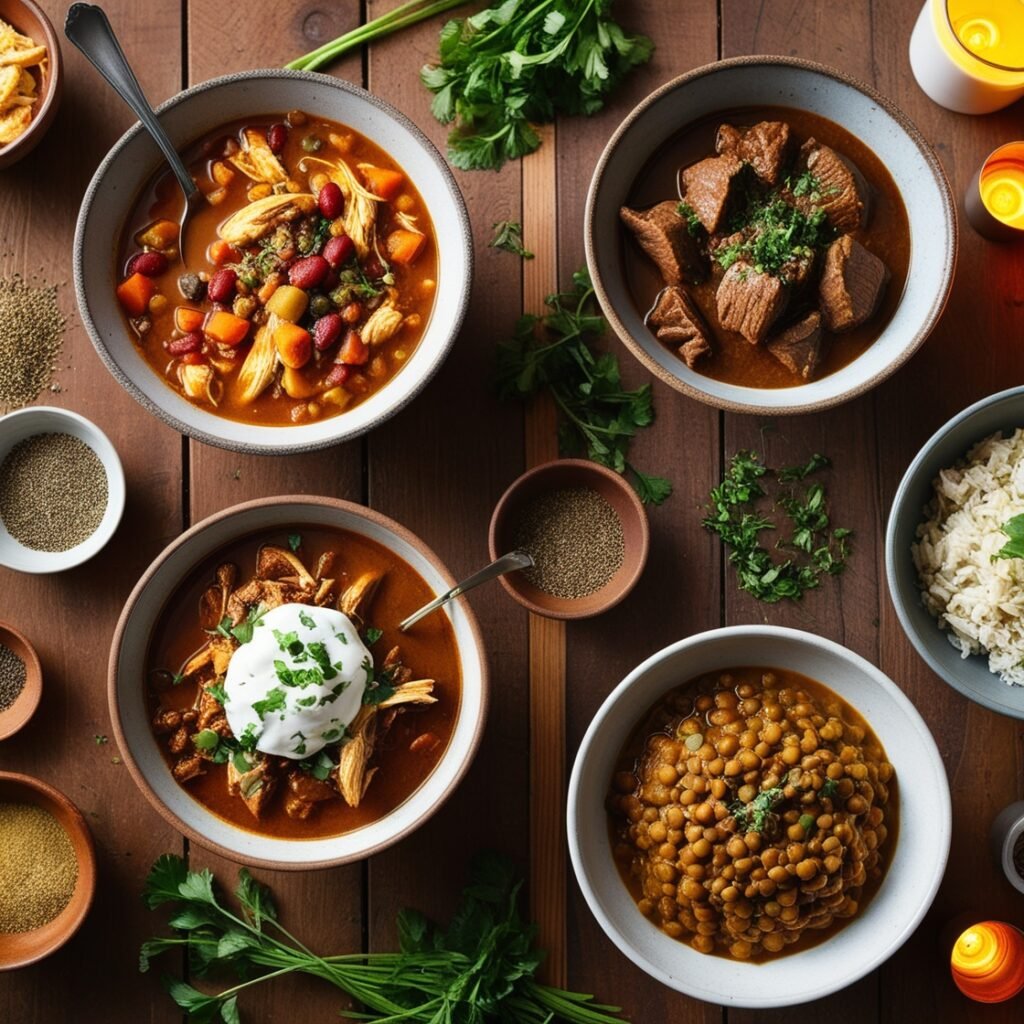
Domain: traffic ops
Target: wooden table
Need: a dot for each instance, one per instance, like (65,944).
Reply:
(440,466)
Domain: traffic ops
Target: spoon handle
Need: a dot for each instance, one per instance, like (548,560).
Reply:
(86,25)
(507,563)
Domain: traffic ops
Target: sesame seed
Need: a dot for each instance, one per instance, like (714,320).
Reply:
(12,677)
(31,338)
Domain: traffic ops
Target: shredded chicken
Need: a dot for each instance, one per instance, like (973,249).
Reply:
(256,159)
(384,321)
(257,219)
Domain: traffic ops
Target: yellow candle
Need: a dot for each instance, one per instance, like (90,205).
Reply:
(992,30)
(1001,183)
(987,962)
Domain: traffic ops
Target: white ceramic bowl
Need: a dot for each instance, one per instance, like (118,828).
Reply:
(918,859)
(784,82)
(185,117)
(131,719)
(45,419)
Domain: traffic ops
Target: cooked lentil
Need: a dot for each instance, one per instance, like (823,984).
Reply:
(12,677)
(31,339)
(576,540)
(53,492)
(38,867)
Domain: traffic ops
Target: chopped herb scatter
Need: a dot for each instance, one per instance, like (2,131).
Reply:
(307,620)
(217,692)
(1014,547)
(295,541)
(689,214)
(289,643)
(371,635)
(242,633)
(274,701)
(752,816)
(508,236)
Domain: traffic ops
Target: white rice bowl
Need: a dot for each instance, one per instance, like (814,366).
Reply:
(978,599)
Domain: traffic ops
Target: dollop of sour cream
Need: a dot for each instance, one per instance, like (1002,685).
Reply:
(298,683)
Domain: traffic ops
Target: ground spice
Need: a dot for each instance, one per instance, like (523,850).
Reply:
(31,339)
(38,868)
(12,677)
(53,492)
(576,541)
(1018,855)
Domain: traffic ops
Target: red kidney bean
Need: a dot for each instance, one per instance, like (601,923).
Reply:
(191,342)
(326,331)
(193,359)
(277,136)
(221,287)
(330,200)
(339,374)
(330,282)
(308,272)
(149,264)
(338,251)
(373,267)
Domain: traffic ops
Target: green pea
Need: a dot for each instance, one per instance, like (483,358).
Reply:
(312,143)
(320,305)
(807,822)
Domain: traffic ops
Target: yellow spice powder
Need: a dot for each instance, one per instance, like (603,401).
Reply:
(38,867)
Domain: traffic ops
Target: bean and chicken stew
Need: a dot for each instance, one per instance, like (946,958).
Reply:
(282,695)
(309,277)
(782,254)
(752,812)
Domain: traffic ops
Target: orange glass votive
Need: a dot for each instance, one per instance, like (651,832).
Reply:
(994,201)
(987,962)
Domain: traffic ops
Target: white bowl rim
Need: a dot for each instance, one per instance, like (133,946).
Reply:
(426,370)
(931,317)
(139,776)
(839,980)
(895,595)
(111,461)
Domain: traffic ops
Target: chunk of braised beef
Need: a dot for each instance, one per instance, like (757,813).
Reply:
(852,284)
(838,187)
(664,235)
(191,286)
(677,321)
(799,346)
(765,146)
(750,302)
(707,188)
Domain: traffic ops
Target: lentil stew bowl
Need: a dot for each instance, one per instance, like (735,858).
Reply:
(882,728)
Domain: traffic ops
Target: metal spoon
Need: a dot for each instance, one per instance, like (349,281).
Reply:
(86,25)
(507,563)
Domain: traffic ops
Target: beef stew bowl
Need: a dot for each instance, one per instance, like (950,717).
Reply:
(265,702)
(758,817)
(324,280)
(768,235)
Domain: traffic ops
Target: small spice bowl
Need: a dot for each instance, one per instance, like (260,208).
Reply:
(1007,838)
(18,949)
(27,18)
(571,475)
(22,708)
(43,419)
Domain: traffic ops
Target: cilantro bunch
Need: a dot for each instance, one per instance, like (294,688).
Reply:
(480,969)
(519,63)
(554,353)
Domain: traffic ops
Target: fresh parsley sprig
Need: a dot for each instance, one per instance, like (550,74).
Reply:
(480,968)
(1014,547)
(508,236)
(554,353)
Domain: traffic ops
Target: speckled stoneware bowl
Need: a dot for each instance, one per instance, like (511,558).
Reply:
(918,858)
(130,714)
(782,82)
(185,117)
(971,676)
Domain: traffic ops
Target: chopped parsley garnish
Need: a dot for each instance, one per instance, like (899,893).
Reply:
(1014,547)
(242,633)
(295,541)
(307,620)
(311,238)
(371,635)
(318,652)
(752,816)
(306,702)
(379,687)
(508,236)
(300,677)
(689,214)
(290,643)
(217,692)
(828,789)
(319,767)
(274,701)
(336,692)
(340,732)
(777,235)
(300,747)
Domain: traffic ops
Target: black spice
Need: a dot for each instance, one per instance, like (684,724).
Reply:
(12,677)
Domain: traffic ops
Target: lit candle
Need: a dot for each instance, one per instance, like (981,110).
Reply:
(994,201)
(968,55)
(988,962)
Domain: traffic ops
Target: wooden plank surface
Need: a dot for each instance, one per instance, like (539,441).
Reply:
(440,466)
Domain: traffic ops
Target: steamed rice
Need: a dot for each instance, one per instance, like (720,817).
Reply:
(978,600)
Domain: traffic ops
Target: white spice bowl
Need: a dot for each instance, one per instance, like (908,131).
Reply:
(1007,830)
(45,419)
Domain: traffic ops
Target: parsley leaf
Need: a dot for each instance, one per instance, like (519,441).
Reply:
(307,620)
(753,816)
(1014,547)
(244,630)
(371,635)
(508,235)
(274,701)
(689,214)
(295,541)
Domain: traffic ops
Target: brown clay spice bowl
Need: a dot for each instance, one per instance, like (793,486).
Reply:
(21,680)
(588,533)
(37,815)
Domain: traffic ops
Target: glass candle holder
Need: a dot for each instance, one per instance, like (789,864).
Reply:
(987,962)
(994,200)
(968,55)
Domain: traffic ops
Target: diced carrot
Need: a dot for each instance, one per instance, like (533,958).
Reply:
(382,182)
(193,358)
(222,252)
(404,246)
(188,320)
(159,235)
(354,351)
(226,328)
(294,345)
(135,292)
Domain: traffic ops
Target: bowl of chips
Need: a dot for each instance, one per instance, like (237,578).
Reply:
(30,78)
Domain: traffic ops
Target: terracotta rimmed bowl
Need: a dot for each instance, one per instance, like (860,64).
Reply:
(917,860)
(22,948)
(185,117)
(559,475)
(782,82)
(28,19)
(130,714)
(1002,412)
(25,704)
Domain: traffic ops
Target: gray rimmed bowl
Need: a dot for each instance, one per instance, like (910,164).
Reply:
(781,82)
(971,676)
(186,117)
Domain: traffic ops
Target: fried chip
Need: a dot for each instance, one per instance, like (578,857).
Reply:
(10,82)
(13,122)
(27,84)
(23,58)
